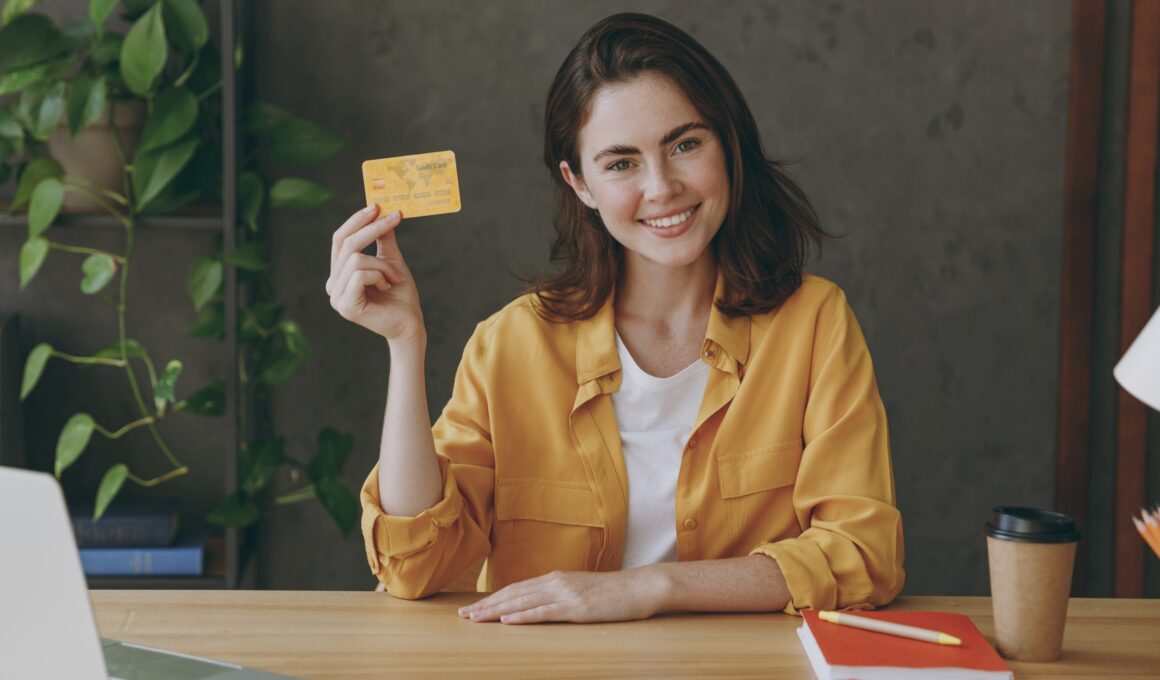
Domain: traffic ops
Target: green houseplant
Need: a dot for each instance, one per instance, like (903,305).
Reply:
(82,73)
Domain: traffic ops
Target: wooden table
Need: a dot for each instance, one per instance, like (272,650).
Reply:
(367,634)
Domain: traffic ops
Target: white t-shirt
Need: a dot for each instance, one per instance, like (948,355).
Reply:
(655,417)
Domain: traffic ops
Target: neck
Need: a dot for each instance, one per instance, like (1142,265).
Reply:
(675,298)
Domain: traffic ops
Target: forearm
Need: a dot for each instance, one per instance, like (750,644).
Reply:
(740,584)
(409,476)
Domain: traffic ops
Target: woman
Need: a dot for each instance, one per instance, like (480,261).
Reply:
(678,419)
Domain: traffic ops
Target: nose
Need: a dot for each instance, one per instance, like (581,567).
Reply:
(662,184)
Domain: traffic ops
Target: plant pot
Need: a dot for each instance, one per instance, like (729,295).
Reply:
(92,154)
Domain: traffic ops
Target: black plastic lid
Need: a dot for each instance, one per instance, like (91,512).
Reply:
(1031,525)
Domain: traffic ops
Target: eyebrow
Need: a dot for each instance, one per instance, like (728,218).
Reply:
(670,137)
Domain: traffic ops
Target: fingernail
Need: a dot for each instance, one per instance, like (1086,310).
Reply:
(370,208)
(462,611)
(394,215)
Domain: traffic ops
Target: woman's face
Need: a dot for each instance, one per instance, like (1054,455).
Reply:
(654,169)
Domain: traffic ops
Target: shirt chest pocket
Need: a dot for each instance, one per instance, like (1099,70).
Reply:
(749,472)
(546,500)
(544,525)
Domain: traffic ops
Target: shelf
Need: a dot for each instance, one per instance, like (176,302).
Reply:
(200,220)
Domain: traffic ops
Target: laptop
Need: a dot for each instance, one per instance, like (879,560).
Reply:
(47,629)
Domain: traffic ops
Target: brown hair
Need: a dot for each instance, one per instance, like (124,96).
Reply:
(770,225)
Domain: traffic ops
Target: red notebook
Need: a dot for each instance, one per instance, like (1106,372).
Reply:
(840,652)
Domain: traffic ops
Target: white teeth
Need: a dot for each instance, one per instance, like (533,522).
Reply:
(670,221)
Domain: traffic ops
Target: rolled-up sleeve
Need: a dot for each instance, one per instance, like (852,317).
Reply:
(850,553)
(416,556)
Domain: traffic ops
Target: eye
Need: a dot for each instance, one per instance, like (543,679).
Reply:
(688,145)
(619,166)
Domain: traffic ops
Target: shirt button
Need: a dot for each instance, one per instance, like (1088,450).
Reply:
(692,442)
(690,524)
(709,354)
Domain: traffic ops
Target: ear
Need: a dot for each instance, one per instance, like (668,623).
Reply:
(577,185)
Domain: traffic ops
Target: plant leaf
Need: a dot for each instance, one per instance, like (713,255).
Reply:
(208,401)
(299,141)
(32,255)
(250,195)
(333,449)
(163,390)
(15,81)
(154,169)
(99,11)
(294,338)
(9,126)
(185,25)
(73,440)
(34,367)
(295,192)
(108,50)
(144,51)
(262,118)
(29,39)
(110,484)
(249,256)
(14,8)
(86,102)
(174,112)
(205,278)
(339,501)
(99,269)
(259,461)
(49,114)
(133,350)
(34,171)
(45,205)
(211,322)
(277,366)
(237,510)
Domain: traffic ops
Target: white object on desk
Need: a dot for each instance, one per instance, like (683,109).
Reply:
(1139,369)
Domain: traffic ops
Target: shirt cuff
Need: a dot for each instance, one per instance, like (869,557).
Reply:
(807,574)
(391,536)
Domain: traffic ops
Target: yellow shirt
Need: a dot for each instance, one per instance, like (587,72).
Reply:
(789,457)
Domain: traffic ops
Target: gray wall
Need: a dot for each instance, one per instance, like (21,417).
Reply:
(930,134)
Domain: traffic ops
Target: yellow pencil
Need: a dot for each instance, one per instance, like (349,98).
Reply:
(889,627)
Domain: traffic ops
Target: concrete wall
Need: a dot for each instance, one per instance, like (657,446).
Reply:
(930,134)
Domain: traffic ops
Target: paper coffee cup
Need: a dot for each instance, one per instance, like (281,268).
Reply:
(1031,553)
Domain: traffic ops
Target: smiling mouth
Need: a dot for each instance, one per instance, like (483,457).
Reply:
(672,220)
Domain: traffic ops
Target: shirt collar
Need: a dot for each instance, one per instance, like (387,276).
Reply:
(596,340)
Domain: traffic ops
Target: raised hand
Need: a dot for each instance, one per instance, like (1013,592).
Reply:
(375,291)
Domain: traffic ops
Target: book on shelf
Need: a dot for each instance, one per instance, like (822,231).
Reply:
(126,523)
(840,651)
(186,557)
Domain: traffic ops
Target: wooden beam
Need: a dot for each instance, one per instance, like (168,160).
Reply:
(1081,180)
(1136,285)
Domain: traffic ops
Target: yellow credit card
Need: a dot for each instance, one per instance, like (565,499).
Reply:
(423,184)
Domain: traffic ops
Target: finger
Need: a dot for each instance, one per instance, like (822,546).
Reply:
(502,595)
(546,612)
(353,223)
(353,299)
(388,246)
(360,239)
(356,262)
(511,606)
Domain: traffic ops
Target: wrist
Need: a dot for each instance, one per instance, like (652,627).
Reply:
(661,588)
(409,345)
